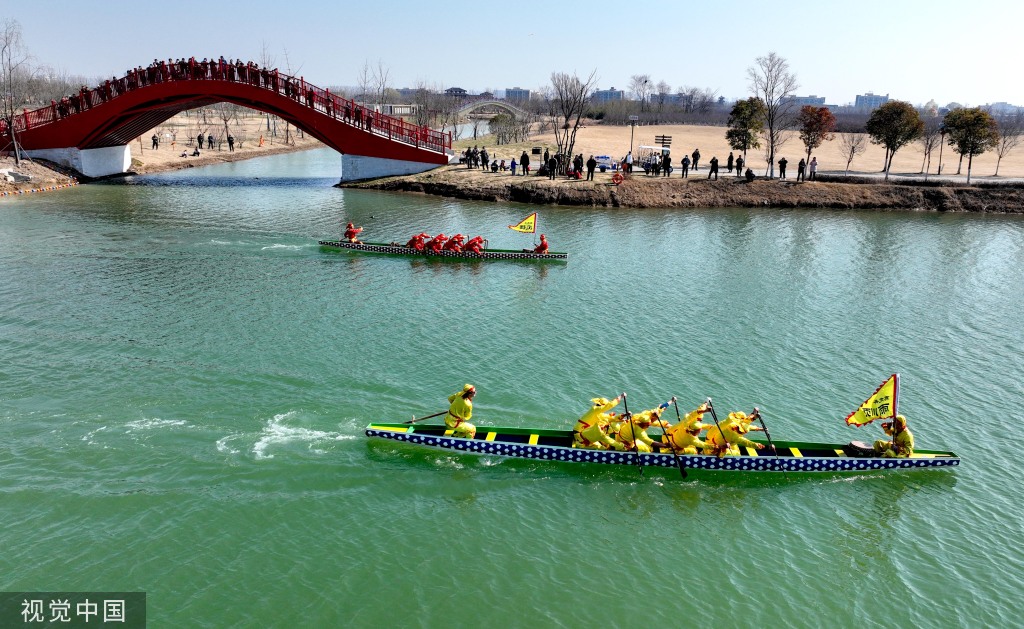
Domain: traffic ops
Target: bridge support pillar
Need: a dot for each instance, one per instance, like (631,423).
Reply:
(109,160)
(357,167)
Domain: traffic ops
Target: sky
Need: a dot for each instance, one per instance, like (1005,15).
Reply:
(912,50)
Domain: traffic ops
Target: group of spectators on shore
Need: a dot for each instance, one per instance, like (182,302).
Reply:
(653,165)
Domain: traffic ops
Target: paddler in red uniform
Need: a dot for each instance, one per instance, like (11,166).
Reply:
(351,231)
(461,409)
(454,243)
(436,243)
(474,244)
(417,241)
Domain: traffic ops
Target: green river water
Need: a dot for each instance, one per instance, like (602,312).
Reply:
(185,378)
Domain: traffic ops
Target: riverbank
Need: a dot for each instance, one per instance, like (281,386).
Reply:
(862,189)
(641,191)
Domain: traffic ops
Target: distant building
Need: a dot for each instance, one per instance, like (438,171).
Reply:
(869,101)
(408,94)
(813,101)
(1002,109)
(458,92)
(517,94)
(604,96)
(485,96)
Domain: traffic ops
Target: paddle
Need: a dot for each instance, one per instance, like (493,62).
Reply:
(414,420)
(757,414)
(632,429)
(671,446)
(714,416)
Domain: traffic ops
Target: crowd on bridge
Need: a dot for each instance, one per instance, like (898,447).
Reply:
(237,71)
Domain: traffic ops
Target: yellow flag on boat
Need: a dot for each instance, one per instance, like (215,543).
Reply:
(881,405)
(527,226)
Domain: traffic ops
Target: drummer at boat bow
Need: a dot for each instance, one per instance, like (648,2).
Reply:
(461,409)
(727,438)
(351,233)
(591,430)
(902,443)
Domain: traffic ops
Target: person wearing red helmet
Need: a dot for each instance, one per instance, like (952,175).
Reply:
(543,246)
(454,243)
(417,241)
(351,231)
(474,244)
(437,243)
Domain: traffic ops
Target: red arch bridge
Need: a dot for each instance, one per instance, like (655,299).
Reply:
(90,131)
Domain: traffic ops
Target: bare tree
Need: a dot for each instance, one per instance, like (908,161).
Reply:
(641,85)
(851,145)
(929,141)
(571,98)
(773,83)
(226,112)
(662,92)
(1011,128)
(15,76)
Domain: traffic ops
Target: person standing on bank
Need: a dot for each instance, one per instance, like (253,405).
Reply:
(591,167)
(813,167)
(782,168)
(685,166)
(552,167)
(714,168)
(739,166)
(800,167)
(729,163)
(696,158)
(524,163)
(666,164)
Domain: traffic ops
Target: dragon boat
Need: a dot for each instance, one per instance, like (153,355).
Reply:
(557,445)
(401,250)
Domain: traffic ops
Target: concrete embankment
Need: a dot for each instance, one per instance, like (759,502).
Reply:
(697,191)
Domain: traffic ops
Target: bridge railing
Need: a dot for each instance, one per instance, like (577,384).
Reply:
(321,100)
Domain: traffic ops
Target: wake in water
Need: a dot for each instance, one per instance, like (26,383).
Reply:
(276,433)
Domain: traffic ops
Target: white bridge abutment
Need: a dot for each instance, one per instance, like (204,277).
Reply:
(358,167)
(101,162)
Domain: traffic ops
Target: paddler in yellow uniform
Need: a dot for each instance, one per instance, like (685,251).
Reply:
(728,440)
(461,409)
(684,437)
(591,430)
(902,443)
(633,432)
